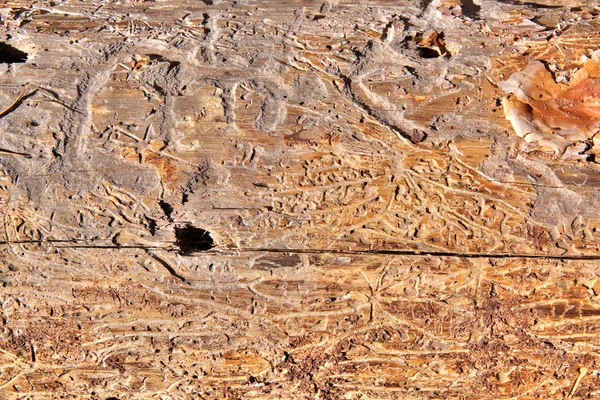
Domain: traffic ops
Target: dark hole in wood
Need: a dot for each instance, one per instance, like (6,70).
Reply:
(152,225)
(470,9)
(10,55)
(428,53)
(156,57)
(167,208)
(191,239)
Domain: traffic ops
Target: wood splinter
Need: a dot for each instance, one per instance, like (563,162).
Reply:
(2,114)
(13,105)
(582,372)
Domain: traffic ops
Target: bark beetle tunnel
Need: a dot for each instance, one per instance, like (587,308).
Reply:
(11,55)
(190,240)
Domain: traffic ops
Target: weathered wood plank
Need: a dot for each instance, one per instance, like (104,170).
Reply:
(256,199)
(291,325)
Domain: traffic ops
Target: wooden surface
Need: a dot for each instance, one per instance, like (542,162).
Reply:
(291,200)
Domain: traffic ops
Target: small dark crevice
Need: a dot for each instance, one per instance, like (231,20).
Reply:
(426,52)
(419,253)
(11,55)
(152,225)
(167,209)
(156,57)
(530,4)
(190,240)
(33,356)
(470,9)
(173,65)
(167,266)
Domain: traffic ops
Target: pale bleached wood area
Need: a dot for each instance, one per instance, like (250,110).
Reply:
(263,199)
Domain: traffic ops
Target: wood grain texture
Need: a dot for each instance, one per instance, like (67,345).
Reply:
(261,199)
